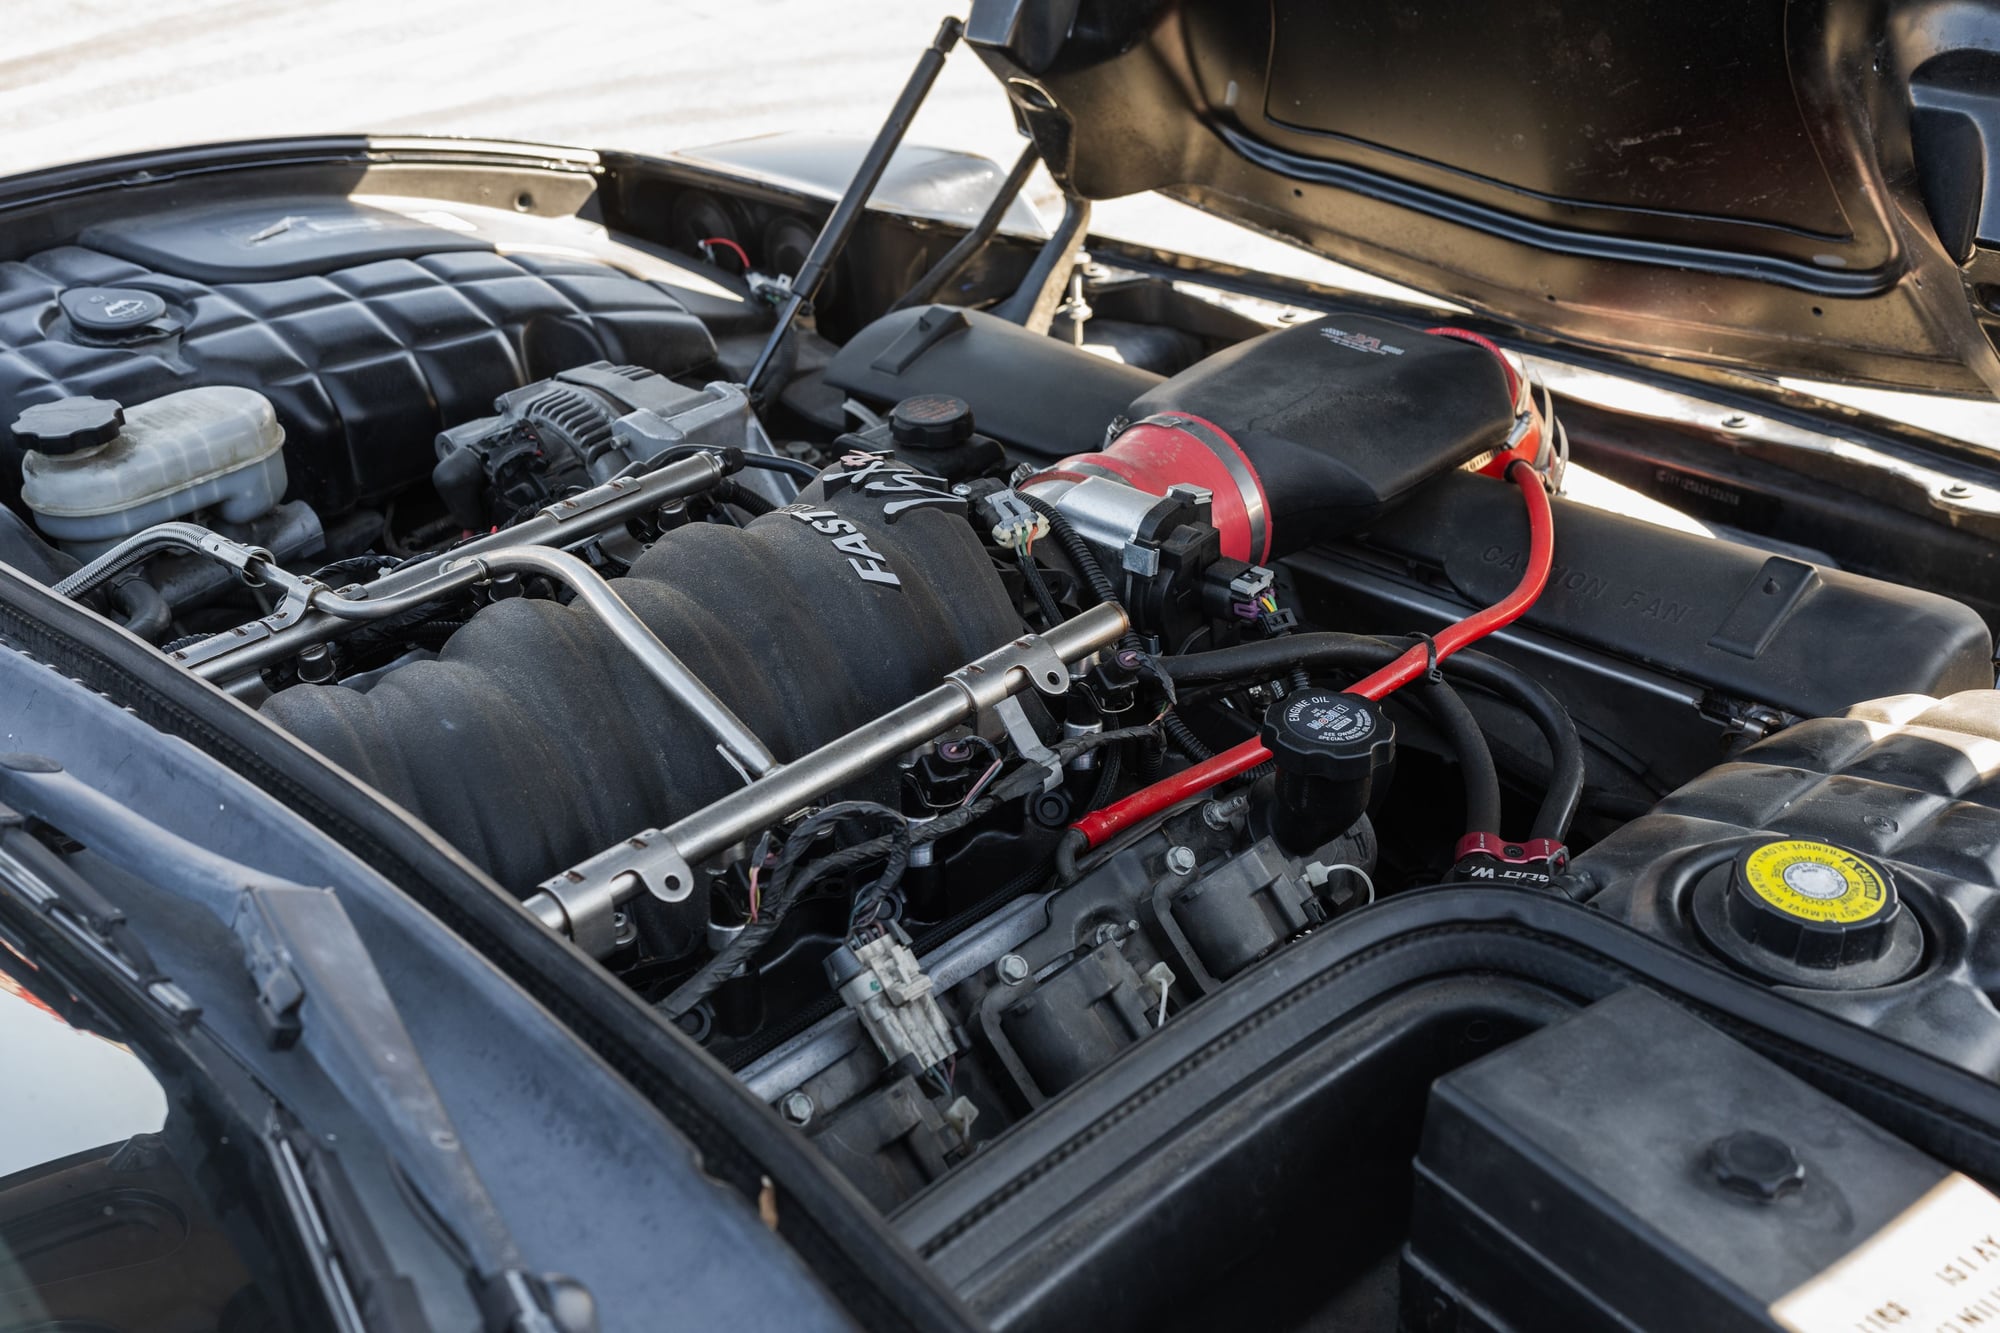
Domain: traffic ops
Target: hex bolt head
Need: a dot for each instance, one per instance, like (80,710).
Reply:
(797,1107)
(1181,860)
(1013,969)
(1223,814)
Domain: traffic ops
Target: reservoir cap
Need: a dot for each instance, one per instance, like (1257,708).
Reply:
(1812,904)
(111,310)
(69,425)
(931,421)
(1327,734)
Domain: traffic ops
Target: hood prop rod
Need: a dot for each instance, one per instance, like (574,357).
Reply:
(846,215)
(955,259)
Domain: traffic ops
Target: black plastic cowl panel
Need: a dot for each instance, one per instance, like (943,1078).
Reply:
(1799,637)
(365,362)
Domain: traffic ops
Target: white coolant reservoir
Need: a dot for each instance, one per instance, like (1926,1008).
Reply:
(95,473)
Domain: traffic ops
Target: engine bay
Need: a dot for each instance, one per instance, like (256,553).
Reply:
(926,721)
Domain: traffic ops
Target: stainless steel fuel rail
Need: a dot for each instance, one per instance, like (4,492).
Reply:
(306,597)
(307,605)
(190,538)
(581,901)
(299,622)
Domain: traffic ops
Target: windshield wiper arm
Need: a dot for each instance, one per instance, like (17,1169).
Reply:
(318,989)
(35,873)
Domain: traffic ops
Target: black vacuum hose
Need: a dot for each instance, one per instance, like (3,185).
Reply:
(1360,653)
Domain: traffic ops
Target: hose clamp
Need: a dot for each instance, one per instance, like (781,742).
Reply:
(1533,863)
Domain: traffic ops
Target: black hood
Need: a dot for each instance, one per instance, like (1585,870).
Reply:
(1807,188)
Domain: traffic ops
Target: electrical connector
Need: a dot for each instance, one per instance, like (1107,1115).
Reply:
(1271,624)
(1252,584)
(882,983)
(1015,525)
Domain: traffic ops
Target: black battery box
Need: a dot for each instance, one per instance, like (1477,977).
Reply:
(1633,1168)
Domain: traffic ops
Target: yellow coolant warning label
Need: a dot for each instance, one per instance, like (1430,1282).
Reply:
(1935,1269)
(1815,882)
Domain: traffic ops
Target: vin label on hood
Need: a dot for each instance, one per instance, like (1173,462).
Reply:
(1935,1269)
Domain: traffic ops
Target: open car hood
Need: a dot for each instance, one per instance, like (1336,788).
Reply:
(1807,188)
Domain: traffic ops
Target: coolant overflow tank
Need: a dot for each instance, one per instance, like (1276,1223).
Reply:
(1853,861)
(95,473)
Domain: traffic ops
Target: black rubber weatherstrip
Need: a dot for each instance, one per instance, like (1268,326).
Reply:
(834,1230)
(1558,240)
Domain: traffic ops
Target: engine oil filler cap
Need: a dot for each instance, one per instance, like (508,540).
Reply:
(1810,913)
(1330,749)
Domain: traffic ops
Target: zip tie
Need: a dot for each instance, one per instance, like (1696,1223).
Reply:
(1432,672)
